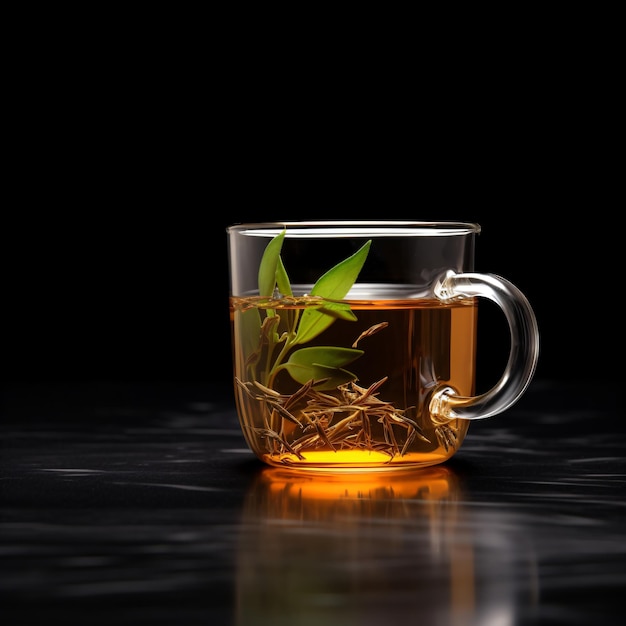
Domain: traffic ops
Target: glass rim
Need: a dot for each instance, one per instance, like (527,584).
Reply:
(364,228)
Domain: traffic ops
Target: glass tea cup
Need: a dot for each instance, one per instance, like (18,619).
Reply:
(354,342)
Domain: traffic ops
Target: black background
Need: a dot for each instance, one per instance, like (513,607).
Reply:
(127,167)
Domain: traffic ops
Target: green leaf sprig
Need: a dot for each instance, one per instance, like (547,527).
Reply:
(325,365)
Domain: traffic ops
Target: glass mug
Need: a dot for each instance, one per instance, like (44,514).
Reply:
(354,342)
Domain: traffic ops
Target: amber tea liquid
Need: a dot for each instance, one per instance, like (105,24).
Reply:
(381,420)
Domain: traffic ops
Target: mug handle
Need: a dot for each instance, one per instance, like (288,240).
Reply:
(446,403)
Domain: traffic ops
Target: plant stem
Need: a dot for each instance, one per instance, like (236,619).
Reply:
(289,342)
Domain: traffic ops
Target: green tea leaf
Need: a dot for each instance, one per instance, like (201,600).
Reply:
(331,356)
(330,377)
(334,285)
(282,280)
(269,263)
(322,362)
(337,281)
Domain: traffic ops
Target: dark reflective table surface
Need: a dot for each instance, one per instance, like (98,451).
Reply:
(140,504)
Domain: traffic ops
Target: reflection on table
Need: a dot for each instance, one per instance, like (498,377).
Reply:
(363,548)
